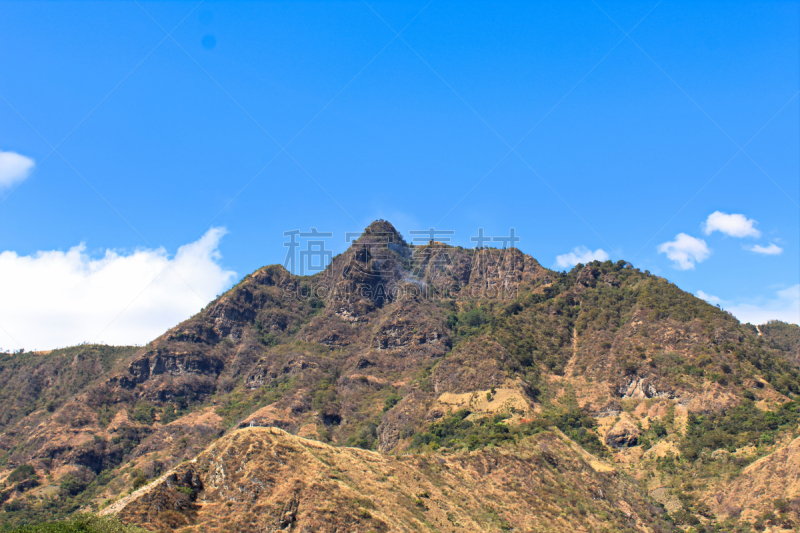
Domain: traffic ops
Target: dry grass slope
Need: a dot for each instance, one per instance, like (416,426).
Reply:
(264,479)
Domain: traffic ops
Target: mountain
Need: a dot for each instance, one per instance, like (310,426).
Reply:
(475,376)
(784,337)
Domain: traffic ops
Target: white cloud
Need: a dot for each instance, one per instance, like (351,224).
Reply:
(784,306)
(710,298)
(54,298)
(685,251)
(772,249)
(13,168)
(733,225)
(580,254)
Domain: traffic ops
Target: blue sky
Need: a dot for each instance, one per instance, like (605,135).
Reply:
(170,119)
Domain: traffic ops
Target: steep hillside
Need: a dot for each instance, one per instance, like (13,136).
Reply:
(259,479)
(431,349)
(785,337)
(767,491)
(45,380)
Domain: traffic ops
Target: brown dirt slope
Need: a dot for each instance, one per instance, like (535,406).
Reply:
(774,477)
(264,479)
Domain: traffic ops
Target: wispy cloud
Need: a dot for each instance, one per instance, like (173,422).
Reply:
(55,298)
(580,254)
(13,168)
(685,251)
(784,305)
(710,298)
(733,225)
(772,249)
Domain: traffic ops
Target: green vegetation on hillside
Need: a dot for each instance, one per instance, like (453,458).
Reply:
(36,380)
(743,425)
(78,524)
(455,431)
(785,337)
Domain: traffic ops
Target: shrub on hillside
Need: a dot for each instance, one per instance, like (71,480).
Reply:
(21,473)
(79,524)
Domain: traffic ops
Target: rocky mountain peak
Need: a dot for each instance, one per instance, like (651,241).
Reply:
(382,231)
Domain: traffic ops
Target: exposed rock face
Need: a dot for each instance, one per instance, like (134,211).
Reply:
(229,319)
(611,409)
(368,275)
(623,434)
(266,371)
(262,479)
(412,325)
(642,387)
(175,364)
(334,331)
(502,273)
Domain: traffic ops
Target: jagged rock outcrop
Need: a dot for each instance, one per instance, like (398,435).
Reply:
(368,275)
(175,364)
(634,386)
(411,325)
(624,433)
